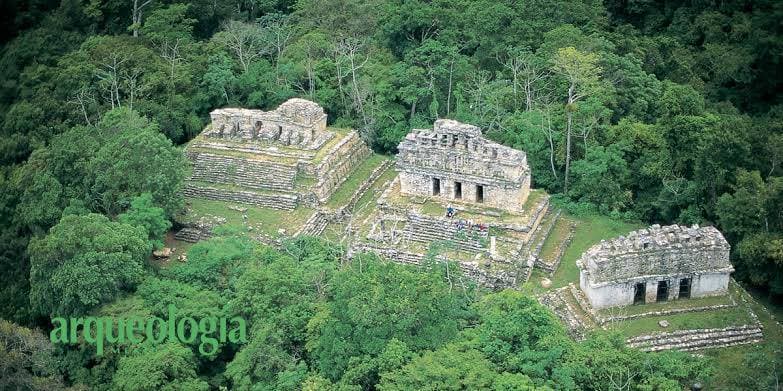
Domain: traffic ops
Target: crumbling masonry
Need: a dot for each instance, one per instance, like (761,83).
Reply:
(656,264)
(454,162)
(275,159)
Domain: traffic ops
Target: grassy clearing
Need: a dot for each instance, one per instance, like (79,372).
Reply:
(671,305)
(730,362)
(725,317)
(558,235)
(267,220)
(589,231)
(359,175)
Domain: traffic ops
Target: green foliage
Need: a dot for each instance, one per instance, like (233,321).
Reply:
(214,263)
(26,359)
(144,214)
(375,301)
(169,366)
(453,368)
(138,159)
(84,261)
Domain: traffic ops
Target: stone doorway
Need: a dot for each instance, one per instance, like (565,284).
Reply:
(458,190)
(639,292)
(479,193)
(663,291)
(435,186)
(685,288)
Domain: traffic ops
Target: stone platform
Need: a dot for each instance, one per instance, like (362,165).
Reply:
(490,245)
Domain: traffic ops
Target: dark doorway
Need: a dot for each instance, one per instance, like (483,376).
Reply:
(663,291)
(458,190)
(435,186)
(685,288)
(479,193)
(639,292)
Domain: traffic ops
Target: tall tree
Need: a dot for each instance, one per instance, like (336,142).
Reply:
(581,73)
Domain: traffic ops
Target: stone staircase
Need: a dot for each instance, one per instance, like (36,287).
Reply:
(426,230)
(556,301)
(249,173)
(192,235)
(699,339)
(493,279)
(540,235)
(275,201)
(315,224)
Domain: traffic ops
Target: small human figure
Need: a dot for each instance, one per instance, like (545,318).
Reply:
(449,211)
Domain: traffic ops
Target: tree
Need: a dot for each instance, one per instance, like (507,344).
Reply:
(244,40)
(375,301)
(168,367)
(453,368)
(581,72)
(144,214)
(138,159)
(138,10)
(26,360)
(84,261)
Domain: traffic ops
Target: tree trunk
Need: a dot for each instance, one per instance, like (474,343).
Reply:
(569,122)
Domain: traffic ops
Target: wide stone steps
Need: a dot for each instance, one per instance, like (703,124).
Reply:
(315,225)
(191,235)
(425,230)
(275,201)
(249,173)
(691,340)
(540,236)
(566,312)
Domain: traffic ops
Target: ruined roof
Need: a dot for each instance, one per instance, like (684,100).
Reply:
(461,148)
(296,108)
(657,250)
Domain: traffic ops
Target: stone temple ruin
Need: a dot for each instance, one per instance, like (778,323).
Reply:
(465,194)
(276,159)
(455,162)
(654,265)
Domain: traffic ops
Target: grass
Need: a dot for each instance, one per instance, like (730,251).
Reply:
(267,220)
(558,235)
(359,175)
(672,305)
(733,316)
(730,362)
(589,231)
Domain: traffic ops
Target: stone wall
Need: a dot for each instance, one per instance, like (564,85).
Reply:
(611,270)
(275,201)
(338,164)
(249,173)
(493,278)
(454,161)
(296,122)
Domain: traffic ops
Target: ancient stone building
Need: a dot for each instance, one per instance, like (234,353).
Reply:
(296,122)
(453,161)
(656,264)
(277,159)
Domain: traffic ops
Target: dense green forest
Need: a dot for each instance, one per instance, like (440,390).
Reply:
(659,111)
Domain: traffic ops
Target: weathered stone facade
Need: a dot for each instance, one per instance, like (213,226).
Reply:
(656,264)
(276,159)
(296,122)
(453,161)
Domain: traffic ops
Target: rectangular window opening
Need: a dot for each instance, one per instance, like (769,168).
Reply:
(479,193)
(458,190)
(435,186)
